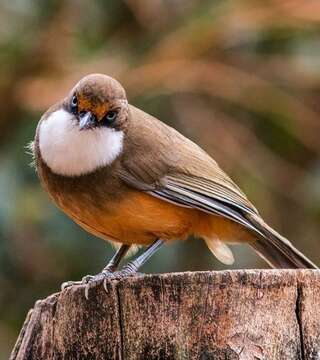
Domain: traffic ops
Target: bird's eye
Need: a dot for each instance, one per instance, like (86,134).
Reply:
(111,116)
(74,104)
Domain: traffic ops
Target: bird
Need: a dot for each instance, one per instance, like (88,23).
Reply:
(128,178)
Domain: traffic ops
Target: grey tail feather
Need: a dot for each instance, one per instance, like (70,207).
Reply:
(277,250)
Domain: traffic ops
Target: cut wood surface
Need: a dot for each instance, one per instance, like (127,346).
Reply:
(245,314)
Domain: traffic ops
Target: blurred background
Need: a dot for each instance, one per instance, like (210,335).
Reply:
(241,78)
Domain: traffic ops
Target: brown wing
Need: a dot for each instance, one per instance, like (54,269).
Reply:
(190,191)
(166,164)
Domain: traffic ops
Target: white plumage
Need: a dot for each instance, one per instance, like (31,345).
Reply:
(71,152)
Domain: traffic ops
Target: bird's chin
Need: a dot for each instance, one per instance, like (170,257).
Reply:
(73,120)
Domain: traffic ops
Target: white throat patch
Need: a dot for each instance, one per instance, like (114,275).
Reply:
(71,152)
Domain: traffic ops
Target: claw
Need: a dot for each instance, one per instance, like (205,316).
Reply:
(64,285)
(86,279)
(105,285)
(92,281)
(86,291)
(67,284)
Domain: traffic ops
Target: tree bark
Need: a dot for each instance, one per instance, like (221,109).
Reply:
(245,314)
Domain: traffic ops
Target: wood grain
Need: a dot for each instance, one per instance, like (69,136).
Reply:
(245,314)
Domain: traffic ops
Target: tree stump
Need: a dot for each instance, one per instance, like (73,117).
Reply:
(245,314)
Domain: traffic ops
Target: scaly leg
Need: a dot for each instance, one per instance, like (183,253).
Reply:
(131,268)
(134,265)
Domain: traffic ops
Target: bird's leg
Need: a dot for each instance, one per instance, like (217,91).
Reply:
(131,268)
(109,269)
(116,259)
(112,264)
(134,265)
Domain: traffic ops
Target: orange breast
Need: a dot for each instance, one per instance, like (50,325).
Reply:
(141,218)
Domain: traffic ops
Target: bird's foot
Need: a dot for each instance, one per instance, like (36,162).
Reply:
(67,284)
(91,281)
(88,279)
(104,277)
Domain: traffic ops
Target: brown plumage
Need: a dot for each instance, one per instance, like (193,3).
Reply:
(160,185)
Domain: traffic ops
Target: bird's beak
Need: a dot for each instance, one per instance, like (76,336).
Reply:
(87,121)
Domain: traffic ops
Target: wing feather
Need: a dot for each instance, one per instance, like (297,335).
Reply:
(173,168)
(209,188)
(179,171)
(209,202)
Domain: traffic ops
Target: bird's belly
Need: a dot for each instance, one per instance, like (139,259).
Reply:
(139,218)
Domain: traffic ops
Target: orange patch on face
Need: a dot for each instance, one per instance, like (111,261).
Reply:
(97,108)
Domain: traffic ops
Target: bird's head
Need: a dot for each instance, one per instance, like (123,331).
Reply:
(98,100)
(85,131)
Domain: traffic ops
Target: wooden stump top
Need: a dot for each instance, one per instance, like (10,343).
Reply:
(243,314)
